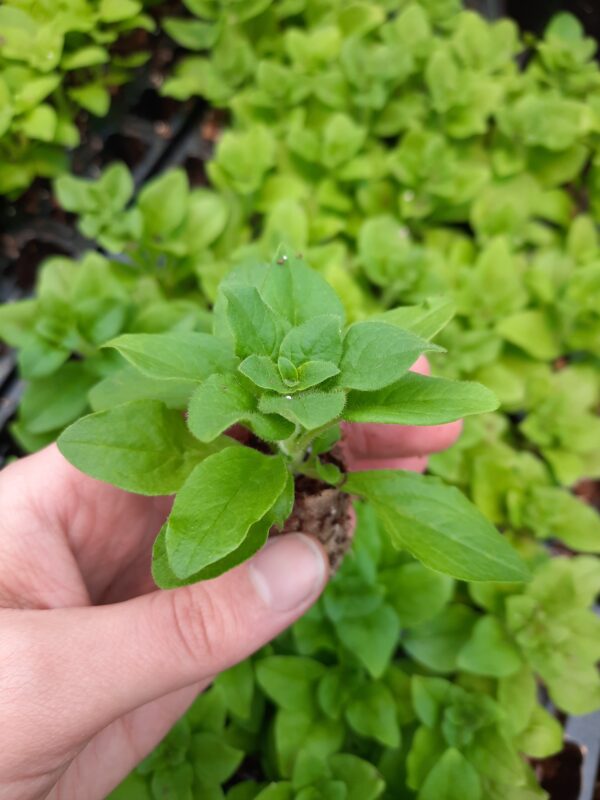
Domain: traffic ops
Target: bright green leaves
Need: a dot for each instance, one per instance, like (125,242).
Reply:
(376,355)
(177,355)
(222,499)
(419,400)
(140,447)
(452,778)
(256,328)
(310,410)
(438,525)
(317,339)
(222,401)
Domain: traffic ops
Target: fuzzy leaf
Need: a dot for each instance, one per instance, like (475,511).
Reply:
(256,329)
(377,354)
(309,409)
(319,339)
(222,401)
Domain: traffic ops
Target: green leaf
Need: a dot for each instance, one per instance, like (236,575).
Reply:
(318,339)
(490,650)
(215,509)
(543,736)
(518,694)
(377,354)
(430,696)
(163,203)
(51,403)
(362,779)
(533,331)
(214,760)
(372,638)
(426,750)
(553,513)
(256,329)
(237,686)
(419,400)
(289,680)
(263,372)
(424,320)
(310,409)
(191,34)
(94,97)
(299,731)
(438,525)
(118,10)
(452,778)
(295,292)
(416,592)
(165,578)
(140,447)
(177,355)
(222,401)
(372,713)
(315,372)
(436,643)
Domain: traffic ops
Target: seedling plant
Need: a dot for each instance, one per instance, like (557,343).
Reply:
(282,363)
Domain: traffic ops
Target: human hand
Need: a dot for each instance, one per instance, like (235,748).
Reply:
(95,664)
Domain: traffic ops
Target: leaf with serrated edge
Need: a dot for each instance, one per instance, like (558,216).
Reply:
(377,354)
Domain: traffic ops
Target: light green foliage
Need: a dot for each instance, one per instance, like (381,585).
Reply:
(175,233)
(55,59)
(79,306)
(374,137)
(274,325)
(335,730)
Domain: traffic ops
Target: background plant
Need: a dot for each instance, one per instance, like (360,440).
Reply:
(55,60)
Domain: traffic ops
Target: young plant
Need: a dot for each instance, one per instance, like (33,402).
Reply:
(168,230)
(55,60)
(79,306)
(282,362)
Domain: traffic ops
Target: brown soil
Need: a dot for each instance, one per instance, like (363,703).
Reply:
(324,512)
(560,775)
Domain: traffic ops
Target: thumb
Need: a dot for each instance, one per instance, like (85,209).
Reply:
(93,665)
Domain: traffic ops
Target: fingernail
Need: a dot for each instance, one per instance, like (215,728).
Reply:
(289,571)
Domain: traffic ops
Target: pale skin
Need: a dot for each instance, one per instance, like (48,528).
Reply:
(96,664)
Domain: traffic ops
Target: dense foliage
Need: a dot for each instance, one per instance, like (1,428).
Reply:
(410,150)
(55,60)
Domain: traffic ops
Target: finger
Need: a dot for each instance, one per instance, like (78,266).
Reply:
(362,441)
(87,667)
(414,464)
(111,755)
(105,530)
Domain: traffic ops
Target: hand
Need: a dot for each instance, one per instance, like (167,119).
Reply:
(95,664)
